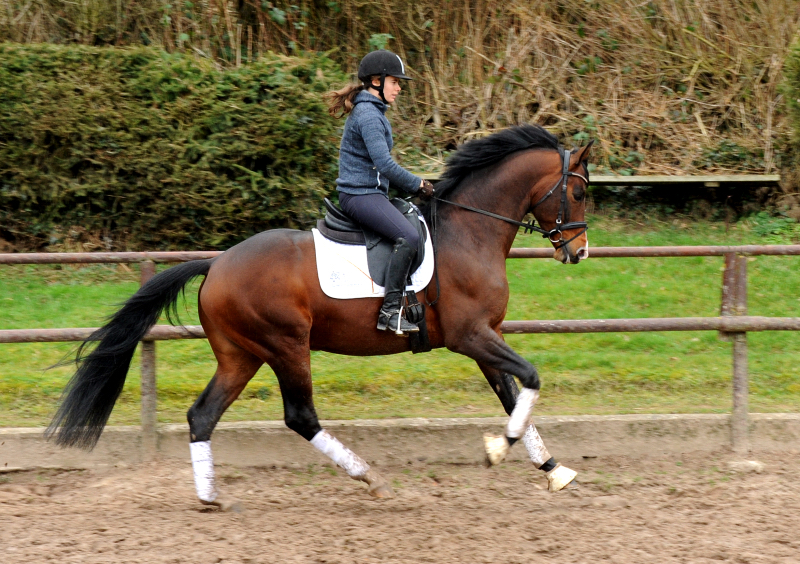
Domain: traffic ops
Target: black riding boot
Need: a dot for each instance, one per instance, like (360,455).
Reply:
(391,314)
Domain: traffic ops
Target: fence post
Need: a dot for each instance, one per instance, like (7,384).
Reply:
(148,372)
(728,305)
(739,417)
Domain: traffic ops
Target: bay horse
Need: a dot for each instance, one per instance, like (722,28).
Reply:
(261,302)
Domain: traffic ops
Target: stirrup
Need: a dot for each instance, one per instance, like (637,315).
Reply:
(393,320)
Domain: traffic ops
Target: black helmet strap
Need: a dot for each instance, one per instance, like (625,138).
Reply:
(379,88)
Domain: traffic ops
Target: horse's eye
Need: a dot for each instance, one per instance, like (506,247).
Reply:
(578,193)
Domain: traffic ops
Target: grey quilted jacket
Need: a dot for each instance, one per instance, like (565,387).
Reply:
(365,163)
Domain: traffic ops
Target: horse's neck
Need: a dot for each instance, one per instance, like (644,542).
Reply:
(504,193)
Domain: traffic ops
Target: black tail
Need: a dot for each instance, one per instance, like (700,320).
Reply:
(90,395)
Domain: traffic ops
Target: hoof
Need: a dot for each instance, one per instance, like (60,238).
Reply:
(559,478)
(225,504)
(381,491)
(496,449)
(378,487)
(745,466)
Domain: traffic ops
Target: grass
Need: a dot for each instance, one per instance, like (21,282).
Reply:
(581,374)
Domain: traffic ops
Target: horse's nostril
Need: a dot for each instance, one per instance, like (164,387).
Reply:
(583,253)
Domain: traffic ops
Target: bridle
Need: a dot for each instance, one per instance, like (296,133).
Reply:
(563,212)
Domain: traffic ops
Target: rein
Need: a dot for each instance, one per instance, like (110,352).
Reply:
(530,226)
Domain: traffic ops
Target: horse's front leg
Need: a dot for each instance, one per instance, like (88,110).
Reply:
(485,345)
(505,387)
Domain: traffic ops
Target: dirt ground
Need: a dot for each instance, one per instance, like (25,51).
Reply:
(691,509)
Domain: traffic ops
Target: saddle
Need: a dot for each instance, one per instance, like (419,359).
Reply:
(338,226)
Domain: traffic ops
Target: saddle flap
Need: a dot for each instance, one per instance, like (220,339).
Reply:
(401,205)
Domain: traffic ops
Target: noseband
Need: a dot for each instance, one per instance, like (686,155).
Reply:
(555,235)
(563,212)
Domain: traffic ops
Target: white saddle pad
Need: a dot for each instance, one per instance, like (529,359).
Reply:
(344,274)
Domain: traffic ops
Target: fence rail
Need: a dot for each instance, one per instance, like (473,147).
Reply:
(595,252)
(707,181)
(744,324)
(733,324)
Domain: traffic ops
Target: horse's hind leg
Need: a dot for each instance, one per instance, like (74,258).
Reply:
(293,369)
(505,387)
(235,368)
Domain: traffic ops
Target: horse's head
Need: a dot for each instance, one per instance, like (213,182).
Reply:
(558,202)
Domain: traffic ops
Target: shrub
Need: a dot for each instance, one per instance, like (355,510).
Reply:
(157,150)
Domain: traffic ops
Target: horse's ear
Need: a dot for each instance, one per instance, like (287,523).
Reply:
(583,152)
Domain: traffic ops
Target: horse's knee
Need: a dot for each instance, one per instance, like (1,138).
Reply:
(530,379)
(302,420)
(507,390)
(201,423)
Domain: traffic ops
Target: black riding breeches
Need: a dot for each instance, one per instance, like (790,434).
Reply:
(376,212)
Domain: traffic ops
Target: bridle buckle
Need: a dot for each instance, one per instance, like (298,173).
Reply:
(528,227)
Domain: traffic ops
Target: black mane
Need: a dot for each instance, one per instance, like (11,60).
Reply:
(480,153)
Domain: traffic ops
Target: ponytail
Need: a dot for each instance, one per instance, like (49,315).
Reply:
(340,102)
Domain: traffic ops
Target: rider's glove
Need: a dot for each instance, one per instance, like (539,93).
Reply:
(426,190)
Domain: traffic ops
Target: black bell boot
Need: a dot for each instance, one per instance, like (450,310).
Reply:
(391,314)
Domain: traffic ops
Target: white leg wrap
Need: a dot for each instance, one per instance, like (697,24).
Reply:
(521,415)
(330,446)
(203,466)
(536,449)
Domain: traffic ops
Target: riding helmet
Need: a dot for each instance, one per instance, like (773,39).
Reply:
(381,63)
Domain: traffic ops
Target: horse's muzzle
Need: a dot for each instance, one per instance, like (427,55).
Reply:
(564,256)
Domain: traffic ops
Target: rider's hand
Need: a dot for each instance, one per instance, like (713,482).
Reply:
(425,190)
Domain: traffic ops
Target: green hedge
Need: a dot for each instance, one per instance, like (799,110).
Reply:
(156,150)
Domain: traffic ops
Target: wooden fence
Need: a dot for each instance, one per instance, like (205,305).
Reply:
(733,323)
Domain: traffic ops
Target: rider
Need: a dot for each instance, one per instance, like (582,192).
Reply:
(366,167)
